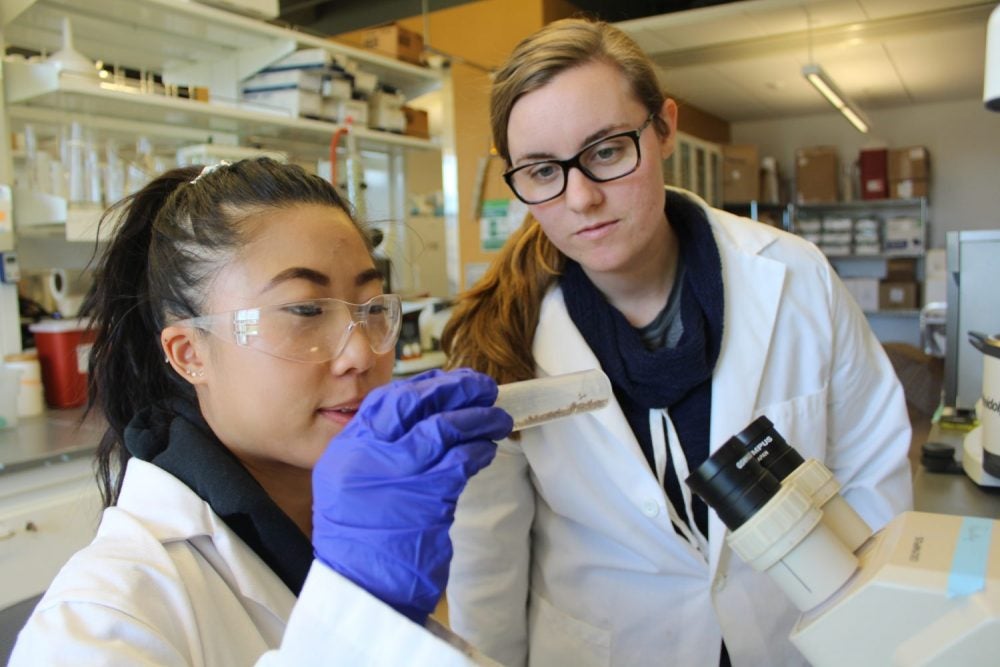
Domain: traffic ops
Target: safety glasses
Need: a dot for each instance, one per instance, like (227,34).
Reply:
(307,331)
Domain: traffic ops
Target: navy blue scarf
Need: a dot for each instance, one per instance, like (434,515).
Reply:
(175,437)
(678,379)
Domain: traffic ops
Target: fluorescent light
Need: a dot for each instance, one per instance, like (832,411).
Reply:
(815,75)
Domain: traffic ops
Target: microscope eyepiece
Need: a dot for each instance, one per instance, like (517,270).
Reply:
(731,482)
(771,450)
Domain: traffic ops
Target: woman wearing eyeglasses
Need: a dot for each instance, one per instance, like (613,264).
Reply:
(580,544)
(268,496)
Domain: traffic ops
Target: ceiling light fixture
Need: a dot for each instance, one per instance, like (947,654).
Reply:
(815,75)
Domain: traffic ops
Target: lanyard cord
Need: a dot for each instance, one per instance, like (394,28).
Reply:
(663,433)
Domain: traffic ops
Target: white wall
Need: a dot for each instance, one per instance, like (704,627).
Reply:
(963,140)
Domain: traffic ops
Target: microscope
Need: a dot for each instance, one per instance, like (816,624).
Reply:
(924,590)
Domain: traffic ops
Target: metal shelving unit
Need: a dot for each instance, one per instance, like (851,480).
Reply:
(888,324)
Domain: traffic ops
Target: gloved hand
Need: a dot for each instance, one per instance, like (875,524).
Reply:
(385,489)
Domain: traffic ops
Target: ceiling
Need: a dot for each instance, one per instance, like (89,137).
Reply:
(742,61)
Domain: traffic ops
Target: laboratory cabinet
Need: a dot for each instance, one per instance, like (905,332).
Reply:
(695,165)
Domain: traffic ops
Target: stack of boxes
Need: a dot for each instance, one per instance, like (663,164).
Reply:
(385,110)
(867,236)
(312,83)
(836,236)
(315,83)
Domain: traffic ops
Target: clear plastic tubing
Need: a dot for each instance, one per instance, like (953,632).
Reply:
(538,401)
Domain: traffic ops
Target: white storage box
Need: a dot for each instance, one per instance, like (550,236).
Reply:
(289,102)
(836,250)
(336,86)
(836,224)
(345,111)
(864,291)
(390,120)
(808,226)
(835,238)
(303,78)
(867,248)
(364,82)
(319,58)
(903,236)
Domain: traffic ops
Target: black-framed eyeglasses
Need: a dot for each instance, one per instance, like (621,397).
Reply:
(606,159)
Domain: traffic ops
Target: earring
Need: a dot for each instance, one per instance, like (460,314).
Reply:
(194,374)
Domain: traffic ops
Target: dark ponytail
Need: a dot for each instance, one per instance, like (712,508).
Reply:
(170,237)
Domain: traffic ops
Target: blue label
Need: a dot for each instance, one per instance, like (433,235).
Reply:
(968,564)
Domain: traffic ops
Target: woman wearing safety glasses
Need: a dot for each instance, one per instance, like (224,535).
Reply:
(269,497)
(580,544)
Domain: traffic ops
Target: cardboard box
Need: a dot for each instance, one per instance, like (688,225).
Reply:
(396,41)
(909,163)
(894,295)
(816,171)
(910,188)
(901,269)
(873,164)
(904,236)
(740,173)
(417,123)
(865,291)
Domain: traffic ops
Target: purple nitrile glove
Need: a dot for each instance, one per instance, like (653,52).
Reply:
(385,489)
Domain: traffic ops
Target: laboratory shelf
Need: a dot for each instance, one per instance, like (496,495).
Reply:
(91,101)
(182,38)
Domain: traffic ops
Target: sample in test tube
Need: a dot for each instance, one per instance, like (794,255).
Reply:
(534,402)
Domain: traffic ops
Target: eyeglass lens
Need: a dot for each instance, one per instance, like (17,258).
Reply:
(315,331)
(611,158)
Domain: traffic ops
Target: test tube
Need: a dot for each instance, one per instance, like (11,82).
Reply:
(538,401)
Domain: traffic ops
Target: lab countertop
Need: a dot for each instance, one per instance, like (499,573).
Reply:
(59,435)
(952,493)
(52,437)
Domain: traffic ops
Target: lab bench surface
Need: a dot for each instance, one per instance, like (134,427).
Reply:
(52,437)
(952,493)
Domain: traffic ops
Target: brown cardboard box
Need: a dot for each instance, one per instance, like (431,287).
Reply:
(816,174)
(740,173)
(396,41)
(909,163)
(873,164)
(416,122)
(901,295)
(909,188)
(901,269)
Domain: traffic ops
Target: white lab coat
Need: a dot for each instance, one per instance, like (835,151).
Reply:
(166,582)
(571,525)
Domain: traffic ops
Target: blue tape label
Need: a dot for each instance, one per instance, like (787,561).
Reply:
(972,550)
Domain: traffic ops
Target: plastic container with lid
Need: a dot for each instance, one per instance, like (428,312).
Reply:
(64,352)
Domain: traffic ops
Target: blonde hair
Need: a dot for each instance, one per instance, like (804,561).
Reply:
(493,326)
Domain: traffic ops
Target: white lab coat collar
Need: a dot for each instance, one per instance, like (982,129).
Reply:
(561,348)
(148,489)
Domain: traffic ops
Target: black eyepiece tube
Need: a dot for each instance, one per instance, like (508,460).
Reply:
(762,440)
(732,483)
